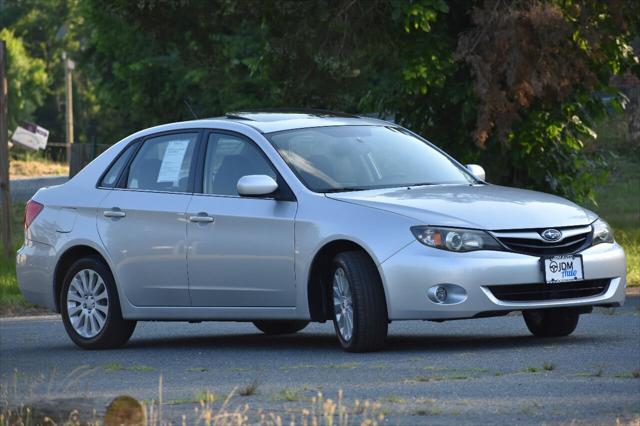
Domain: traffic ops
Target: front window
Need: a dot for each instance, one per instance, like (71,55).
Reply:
(350,158)
(228,159)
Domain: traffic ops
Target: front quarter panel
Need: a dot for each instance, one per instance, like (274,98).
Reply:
(322,220)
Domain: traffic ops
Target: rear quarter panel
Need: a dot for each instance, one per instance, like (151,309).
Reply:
(67,220)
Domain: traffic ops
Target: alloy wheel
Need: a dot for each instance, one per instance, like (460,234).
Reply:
(87,303)
(343,304)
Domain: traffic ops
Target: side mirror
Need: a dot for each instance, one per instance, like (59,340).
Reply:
(477,171)
(255,185)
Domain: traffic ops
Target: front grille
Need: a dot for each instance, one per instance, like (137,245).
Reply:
(530,242)
(556,291)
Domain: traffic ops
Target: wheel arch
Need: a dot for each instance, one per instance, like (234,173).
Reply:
(68,257)
(318,289)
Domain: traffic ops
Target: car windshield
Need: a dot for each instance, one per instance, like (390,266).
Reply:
(352,158)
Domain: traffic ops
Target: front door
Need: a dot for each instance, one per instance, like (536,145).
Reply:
(142,223)
(241,250)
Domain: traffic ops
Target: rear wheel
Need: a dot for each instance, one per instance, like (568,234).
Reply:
(280,327)
(90,306)
(359,308)
(551,322)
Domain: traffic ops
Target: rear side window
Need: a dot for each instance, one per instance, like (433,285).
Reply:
(110,179)
(163,163)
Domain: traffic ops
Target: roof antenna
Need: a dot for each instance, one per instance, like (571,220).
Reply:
(190,109)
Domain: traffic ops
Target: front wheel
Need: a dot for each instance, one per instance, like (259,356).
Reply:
(551,322)
(280,327)
(359,308)
(90,307)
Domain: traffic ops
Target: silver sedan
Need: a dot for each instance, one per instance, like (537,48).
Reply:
(285,218)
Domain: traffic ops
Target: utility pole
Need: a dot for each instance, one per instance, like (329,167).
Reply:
(69,65)
(5,197)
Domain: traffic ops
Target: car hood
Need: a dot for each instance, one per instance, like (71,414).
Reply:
(489,207)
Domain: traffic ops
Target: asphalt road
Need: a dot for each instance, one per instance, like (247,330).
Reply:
(23,189)
(477,371)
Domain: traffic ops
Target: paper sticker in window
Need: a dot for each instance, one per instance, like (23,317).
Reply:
(172,161)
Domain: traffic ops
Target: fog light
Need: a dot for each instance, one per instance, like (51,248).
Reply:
(447,294)
(441,294)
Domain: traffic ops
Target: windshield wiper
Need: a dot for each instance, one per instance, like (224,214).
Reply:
(423,184)
(345,189)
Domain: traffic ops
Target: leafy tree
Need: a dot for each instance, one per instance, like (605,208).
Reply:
(540,69)
(47,30)
(516,85)
(27,79)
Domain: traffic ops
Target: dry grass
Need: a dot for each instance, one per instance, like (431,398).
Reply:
(39,167)
(250,389)
(210,411)
(633,422)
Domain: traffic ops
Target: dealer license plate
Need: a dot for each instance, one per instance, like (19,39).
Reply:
(559,269)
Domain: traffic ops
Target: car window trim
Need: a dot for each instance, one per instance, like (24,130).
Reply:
(124,176)
(151,191)
(284,192)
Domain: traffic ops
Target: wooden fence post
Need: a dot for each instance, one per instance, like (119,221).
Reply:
(5,196)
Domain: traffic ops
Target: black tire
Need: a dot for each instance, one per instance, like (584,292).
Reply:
(551,322)
(370,319)
(280,327)
(116,330)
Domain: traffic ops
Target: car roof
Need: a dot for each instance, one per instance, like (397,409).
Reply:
(269,121)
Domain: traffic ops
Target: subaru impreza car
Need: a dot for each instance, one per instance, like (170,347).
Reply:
(284,218)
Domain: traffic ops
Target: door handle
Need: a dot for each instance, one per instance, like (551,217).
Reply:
(114,212)
(201,217)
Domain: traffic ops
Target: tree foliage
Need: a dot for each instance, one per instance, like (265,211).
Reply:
(516,85)
(46,30)
(27,77)
(540,69)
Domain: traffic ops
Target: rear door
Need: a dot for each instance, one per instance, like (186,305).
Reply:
(241,250)
(142,221)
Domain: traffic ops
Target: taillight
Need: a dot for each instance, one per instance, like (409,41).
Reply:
(31,211)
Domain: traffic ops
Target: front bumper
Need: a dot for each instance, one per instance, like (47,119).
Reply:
(408,275)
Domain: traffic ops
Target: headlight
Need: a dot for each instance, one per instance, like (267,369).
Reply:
(602,232)
(453,239)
